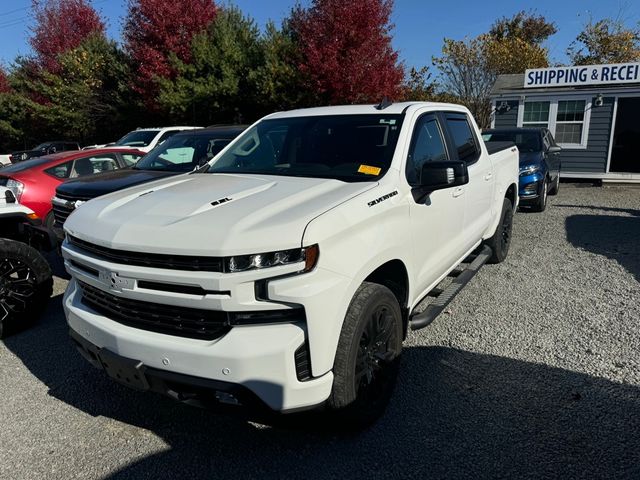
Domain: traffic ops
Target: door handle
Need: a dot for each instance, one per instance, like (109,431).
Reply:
(488,176)
(458,191)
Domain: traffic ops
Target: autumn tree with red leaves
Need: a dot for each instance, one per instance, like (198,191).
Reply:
(346,50)
(60,26)
(156,29)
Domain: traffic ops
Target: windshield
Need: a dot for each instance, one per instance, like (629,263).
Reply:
(525,141)
(42,146)
(139,138)
(351,148)
(183,153)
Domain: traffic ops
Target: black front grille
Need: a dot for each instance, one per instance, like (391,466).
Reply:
(72,198)
(155,317)
(60,214)
(155,260)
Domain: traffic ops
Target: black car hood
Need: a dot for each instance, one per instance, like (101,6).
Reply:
(530,158)
(107,182)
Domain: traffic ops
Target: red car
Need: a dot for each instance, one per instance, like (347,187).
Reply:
(34,182)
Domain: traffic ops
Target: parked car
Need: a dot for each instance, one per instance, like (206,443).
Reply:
(539,163)
(181,153)
(25,276)
(34,181)
(46,148)
(146,139)
(284,274)
(5,160)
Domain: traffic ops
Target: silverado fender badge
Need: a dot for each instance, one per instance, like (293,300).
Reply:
(382,198)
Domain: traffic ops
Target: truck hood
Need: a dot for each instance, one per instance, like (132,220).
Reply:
(210,214)
(102,183)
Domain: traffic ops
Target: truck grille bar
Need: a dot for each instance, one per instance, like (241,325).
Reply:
(154,317)
(153,260)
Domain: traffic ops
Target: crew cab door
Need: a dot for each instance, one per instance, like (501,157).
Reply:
(478,193)
(437,219)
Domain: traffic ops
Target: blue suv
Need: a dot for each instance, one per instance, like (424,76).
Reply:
(539,163)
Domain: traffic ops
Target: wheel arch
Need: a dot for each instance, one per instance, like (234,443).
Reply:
(512,194)
(394,275)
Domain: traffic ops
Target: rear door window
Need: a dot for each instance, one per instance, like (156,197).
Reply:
(462,136)
(96,164)
(62,170)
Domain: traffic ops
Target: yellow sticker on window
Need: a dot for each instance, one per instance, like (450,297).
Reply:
(367,170)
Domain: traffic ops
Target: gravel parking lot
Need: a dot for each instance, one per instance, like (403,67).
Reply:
(533,372)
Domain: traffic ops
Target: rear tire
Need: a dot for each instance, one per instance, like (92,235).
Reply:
(367,359)
(501,239)
(25,285)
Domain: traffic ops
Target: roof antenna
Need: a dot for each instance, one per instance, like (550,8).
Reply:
(384,104)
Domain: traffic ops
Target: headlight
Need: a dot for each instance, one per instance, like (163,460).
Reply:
(242,263)
(528,169)
(16,187)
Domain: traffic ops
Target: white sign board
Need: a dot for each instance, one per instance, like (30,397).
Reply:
(582,75)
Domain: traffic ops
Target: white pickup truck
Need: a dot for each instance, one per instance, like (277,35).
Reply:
(285,274)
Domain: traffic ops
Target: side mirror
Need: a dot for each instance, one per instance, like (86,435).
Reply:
(438,176)
(554,150)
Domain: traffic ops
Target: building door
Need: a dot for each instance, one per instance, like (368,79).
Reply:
(626,137)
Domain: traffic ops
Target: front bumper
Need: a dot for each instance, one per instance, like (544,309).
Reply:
(264,359)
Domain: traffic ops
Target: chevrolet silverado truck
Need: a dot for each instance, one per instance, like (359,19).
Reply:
(284,274)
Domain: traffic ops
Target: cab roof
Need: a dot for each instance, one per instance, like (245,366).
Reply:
(372,109)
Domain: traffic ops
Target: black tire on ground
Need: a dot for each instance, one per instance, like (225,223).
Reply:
(25,285)
(556,185)
(541,202)
(367,359)
(501,239)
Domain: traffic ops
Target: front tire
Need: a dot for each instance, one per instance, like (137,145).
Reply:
(367,359)
(541,202)
(25,284)
(501,239)
(556,185)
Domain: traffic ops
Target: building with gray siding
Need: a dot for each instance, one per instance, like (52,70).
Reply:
(593,114)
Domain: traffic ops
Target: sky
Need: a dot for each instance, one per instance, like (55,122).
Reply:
(420,25)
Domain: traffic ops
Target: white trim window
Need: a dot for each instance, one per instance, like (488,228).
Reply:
(570,122)
(536,114)
(567,120)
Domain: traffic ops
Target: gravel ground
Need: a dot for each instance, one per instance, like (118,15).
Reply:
(533,372)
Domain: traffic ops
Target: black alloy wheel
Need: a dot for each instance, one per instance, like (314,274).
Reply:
(376,356)
(367,359)
(25,283)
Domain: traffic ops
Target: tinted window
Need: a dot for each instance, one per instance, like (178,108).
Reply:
(166,135)
(525,141)
(26,165)
(427,146)
(130,158)
(138,138)
(345,147)
(183,153)
(62,170)
(96,164)
(463,138)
